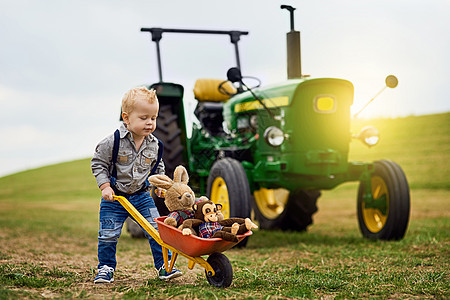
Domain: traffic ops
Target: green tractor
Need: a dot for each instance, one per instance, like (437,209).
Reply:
(267,152)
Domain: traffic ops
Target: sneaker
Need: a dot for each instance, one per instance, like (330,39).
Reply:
(105,275)
(165,276)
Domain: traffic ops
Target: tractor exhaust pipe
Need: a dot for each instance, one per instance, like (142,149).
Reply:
(294,62)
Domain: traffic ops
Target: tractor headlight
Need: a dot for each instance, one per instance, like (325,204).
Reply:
(369,135)
(274,136)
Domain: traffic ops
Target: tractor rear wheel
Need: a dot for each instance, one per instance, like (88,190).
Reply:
(386,216)
(168,131)
(281,209)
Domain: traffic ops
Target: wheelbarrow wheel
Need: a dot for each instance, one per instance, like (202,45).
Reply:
(223,269)
(386,216)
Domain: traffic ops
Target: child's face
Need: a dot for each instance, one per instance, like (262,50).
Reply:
(142,120)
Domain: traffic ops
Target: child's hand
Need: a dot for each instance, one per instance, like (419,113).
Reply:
(186,231)
(107,193)
(161,193)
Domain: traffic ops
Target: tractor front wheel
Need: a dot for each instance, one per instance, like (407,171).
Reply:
(228,185)
(384,215)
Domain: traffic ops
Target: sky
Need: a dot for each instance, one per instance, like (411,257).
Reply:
(64,65)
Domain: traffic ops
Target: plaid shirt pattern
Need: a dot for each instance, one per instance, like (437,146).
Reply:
(206,230)
(181,215)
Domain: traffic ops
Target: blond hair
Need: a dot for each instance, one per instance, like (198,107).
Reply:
(138,93)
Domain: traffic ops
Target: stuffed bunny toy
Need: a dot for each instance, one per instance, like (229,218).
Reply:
(179,197)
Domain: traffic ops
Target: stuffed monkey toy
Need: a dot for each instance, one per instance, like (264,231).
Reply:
(207,218)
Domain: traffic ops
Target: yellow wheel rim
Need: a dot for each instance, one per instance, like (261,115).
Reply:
(373,217)
(219,195)
(271,202)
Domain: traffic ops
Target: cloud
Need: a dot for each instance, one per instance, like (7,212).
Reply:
(65,66)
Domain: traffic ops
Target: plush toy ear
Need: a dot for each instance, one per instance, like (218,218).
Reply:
(180,175)
(195,206)
(203,198)
(219,206)
(161,181)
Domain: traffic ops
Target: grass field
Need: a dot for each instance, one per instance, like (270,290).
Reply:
(49,223)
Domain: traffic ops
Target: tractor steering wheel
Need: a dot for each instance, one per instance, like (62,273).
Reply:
(258,82)
(224,91)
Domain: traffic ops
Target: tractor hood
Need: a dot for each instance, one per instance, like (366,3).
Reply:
(313,116)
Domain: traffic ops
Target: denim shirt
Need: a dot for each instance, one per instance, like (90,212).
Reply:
(133,167)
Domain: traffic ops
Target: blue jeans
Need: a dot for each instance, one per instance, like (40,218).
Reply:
(112,217)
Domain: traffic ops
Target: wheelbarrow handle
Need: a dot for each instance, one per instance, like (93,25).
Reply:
(155,235)
(139,218)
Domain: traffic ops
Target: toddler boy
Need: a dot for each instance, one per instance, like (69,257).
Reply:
(125,174)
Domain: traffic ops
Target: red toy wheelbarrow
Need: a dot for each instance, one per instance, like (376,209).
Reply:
(218,269)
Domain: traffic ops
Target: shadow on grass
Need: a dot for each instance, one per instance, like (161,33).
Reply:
(420,232)
(275,239)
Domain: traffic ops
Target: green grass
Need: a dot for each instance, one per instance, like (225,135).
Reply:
(419,144)
(33,276)
(49,223)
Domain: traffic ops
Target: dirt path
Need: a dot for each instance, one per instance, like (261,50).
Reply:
(61,255)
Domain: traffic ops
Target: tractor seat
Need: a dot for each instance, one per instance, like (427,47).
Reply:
(207,90)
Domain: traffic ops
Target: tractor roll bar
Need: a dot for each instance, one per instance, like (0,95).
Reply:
(235,36)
